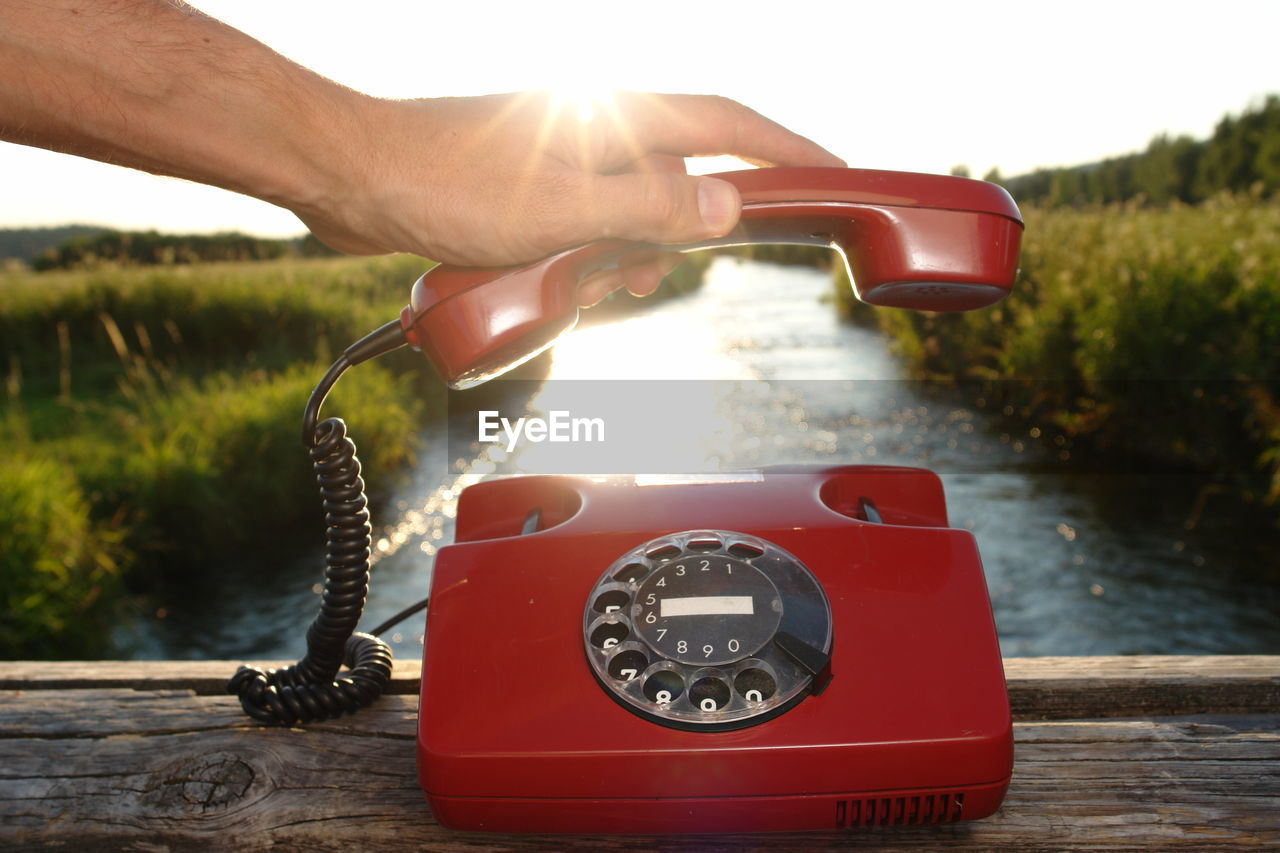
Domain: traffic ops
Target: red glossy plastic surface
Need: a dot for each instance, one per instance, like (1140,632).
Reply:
(930,242)
(516,735)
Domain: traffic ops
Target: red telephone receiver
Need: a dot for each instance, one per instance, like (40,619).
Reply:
(928,242)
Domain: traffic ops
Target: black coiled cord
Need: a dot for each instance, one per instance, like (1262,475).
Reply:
(310,689)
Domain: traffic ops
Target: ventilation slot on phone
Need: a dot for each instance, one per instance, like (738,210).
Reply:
(900,811)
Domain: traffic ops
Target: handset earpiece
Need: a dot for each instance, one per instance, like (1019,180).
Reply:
(928,242)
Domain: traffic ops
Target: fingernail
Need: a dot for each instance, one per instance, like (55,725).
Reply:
(718,205)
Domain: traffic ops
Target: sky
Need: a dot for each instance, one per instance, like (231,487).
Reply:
(911,86)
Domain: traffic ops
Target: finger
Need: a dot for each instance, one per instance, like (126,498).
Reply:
(597,286)
(641,272)
(686,125)
(642,279)
(656,207)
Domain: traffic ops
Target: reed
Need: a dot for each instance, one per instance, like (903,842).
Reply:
(1149,331)
(151,422)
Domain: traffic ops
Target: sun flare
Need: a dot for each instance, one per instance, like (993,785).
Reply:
(584,101)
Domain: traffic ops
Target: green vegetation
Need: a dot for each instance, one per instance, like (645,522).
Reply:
(151,423)
(1157,331)
(57,566)
(101,248)
(80,329)
(1242,154)
(1147,304)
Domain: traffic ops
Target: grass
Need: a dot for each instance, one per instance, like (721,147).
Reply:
(59,570)
(88,325)
(151,419)
(1153,331)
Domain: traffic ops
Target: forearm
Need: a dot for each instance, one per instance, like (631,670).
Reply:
(161,87)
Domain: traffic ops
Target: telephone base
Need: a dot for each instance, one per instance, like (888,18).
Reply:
(627,662)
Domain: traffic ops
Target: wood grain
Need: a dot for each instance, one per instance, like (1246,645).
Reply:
(165,767)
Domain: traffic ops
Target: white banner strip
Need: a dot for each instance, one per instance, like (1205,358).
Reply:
(707,605)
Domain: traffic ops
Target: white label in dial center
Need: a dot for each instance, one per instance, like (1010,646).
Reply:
(708,605)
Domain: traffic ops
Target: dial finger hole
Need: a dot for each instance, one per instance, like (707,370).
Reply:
(663,551)
(631,572)
(611,601)
(755,685)
(628,664)
(663,687)
(609,634)
(709,694)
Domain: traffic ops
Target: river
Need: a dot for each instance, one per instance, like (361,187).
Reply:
(1079,561)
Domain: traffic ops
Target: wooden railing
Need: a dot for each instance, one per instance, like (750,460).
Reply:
(1115,752)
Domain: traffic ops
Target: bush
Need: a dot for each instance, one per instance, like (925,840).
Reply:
(182,478)
(59,571)
(215,465)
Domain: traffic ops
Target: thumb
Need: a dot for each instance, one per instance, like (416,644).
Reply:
(663,207)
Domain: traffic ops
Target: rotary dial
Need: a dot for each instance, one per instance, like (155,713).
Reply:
(707,630)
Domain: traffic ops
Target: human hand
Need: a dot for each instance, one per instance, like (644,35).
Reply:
(505,179)
(493,180)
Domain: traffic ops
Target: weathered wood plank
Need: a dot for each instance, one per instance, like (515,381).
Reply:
(146,770)
(1055,688)
(1039,688)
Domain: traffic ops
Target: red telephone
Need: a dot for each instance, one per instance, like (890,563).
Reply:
(797,648)
(930,242)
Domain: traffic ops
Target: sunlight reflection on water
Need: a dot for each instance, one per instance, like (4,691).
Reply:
(668,343)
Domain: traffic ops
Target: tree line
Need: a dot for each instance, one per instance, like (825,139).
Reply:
(1243,155)
(151,247)
(25,244)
